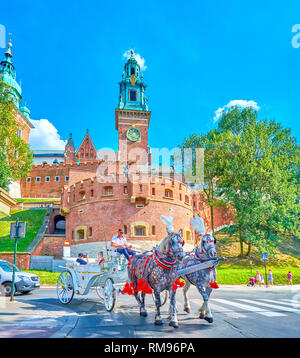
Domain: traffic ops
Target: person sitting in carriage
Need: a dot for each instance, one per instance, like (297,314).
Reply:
(120,243)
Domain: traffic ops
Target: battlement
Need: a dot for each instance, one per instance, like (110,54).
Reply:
(91,164)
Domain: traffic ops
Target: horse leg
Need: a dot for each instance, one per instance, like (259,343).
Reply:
(173,311)
(187,307)
(158,320)
(205,311)
(143,311)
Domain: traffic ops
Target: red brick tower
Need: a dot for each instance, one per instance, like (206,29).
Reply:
(86,150)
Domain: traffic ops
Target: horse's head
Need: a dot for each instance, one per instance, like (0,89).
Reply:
(172,246)
(207,245)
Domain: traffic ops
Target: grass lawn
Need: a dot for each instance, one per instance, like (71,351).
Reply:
(240,275)
(46,277)
(34,219)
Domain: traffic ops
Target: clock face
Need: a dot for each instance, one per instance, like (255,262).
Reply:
(133,134)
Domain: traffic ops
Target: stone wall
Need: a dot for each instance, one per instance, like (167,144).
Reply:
(50,245)
(22,259)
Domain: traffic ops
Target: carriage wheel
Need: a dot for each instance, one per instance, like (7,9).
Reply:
(100,293)
(65,287)
(163,297)
(109,294)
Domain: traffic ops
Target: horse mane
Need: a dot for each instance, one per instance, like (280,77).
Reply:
(162,245)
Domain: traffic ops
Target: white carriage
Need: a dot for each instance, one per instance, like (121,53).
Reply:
(106,278)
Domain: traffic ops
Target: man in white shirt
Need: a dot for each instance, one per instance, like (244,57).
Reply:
(120,243)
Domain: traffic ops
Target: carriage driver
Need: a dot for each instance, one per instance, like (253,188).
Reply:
(120,243)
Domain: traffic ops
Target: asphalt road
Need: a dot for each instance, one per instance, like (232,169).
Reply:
(239,312)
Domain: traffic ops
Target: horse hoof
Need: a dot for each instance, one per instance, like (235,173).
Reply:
(173,324)
(201,316)
(158,322)
(209,319)
(143,314)
(187,310)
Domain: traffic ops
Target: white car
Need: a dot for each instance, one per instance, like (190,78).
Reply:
(24,281)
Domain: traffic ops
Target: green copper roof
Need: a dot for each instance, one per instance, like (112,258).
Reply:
(8,76)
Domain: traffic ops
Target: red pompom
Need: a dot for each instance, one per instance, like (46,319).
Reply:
(174,287)
(214,285)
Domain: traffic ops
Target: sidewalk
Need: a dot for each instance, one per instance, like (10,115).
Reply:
(22,320)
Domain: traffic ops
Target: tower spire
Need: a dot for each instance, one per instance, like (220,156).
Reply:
(132,86)
(8,75)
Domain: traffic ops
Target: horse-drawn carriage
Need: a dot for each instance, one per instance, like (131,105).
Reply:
(106,278)
(159,272)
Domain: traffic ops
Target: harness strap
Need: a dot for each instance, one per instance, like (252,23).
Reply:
(162,262)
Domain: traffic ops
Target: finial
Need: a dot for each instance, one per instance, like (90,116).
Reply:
(131,51)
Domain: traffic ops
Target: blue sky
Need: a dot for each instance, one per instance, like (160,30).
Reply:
(200,55)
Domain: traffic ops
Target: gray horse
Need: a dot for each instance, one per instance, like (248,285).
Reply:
(203,279)
(157,272)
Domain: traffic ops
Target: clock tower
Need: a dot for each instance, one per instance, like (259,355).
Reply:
(132,115)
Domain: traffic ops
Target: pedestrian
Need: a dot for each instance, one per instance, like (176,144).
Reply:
(289,276)
(82,259)
(258,278)
(120,243)
(270,278)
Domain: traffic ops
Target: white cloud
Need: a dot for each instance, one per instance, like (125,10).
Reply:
(140,60)
(241,103)
(45,136)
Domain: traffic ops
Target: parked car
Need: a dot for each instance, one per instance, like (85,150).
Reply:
(24,281)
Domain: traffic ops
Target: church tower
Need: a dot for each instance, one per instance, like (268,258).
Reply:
(132,115)
(8,76)
(70,157)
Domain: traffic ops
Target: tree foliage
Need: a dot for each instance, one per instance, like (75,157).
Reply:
(256,167)
(15,152)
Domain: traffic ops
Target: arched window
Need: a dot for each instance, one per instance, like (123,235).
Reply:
(186,199)
(139,231)
(108,190)
(168,193)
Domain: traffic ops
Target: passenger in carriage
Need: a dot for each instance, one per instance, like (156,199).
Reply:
(120,243)
(82,259)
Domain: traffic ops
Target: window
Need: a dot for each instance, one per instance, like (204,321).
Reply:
(186,199)
(153,191)
(139,231)
(80,234)
(47,179)
(108,190)
(92,193)
(141,188)
(38,179)
(125,190)
(132,95)
(153,229)
(73,197)
(28,180)
(66,178)
(132,71)
(82,194)
(19,132)
(125,229)
(72,234)
(168,193)
(57,178)
(180,196)
(90,231)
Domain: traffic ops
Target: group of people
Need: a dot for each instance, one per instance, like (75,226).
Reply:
(259,279)
(119,242)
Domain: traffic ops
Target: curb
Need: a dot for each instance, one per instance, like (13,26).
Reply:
(67,328)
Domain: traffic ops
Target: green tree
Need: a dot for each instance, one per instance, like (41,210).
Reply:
(208,188)
(18,156)
(258,165)
(5,172)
